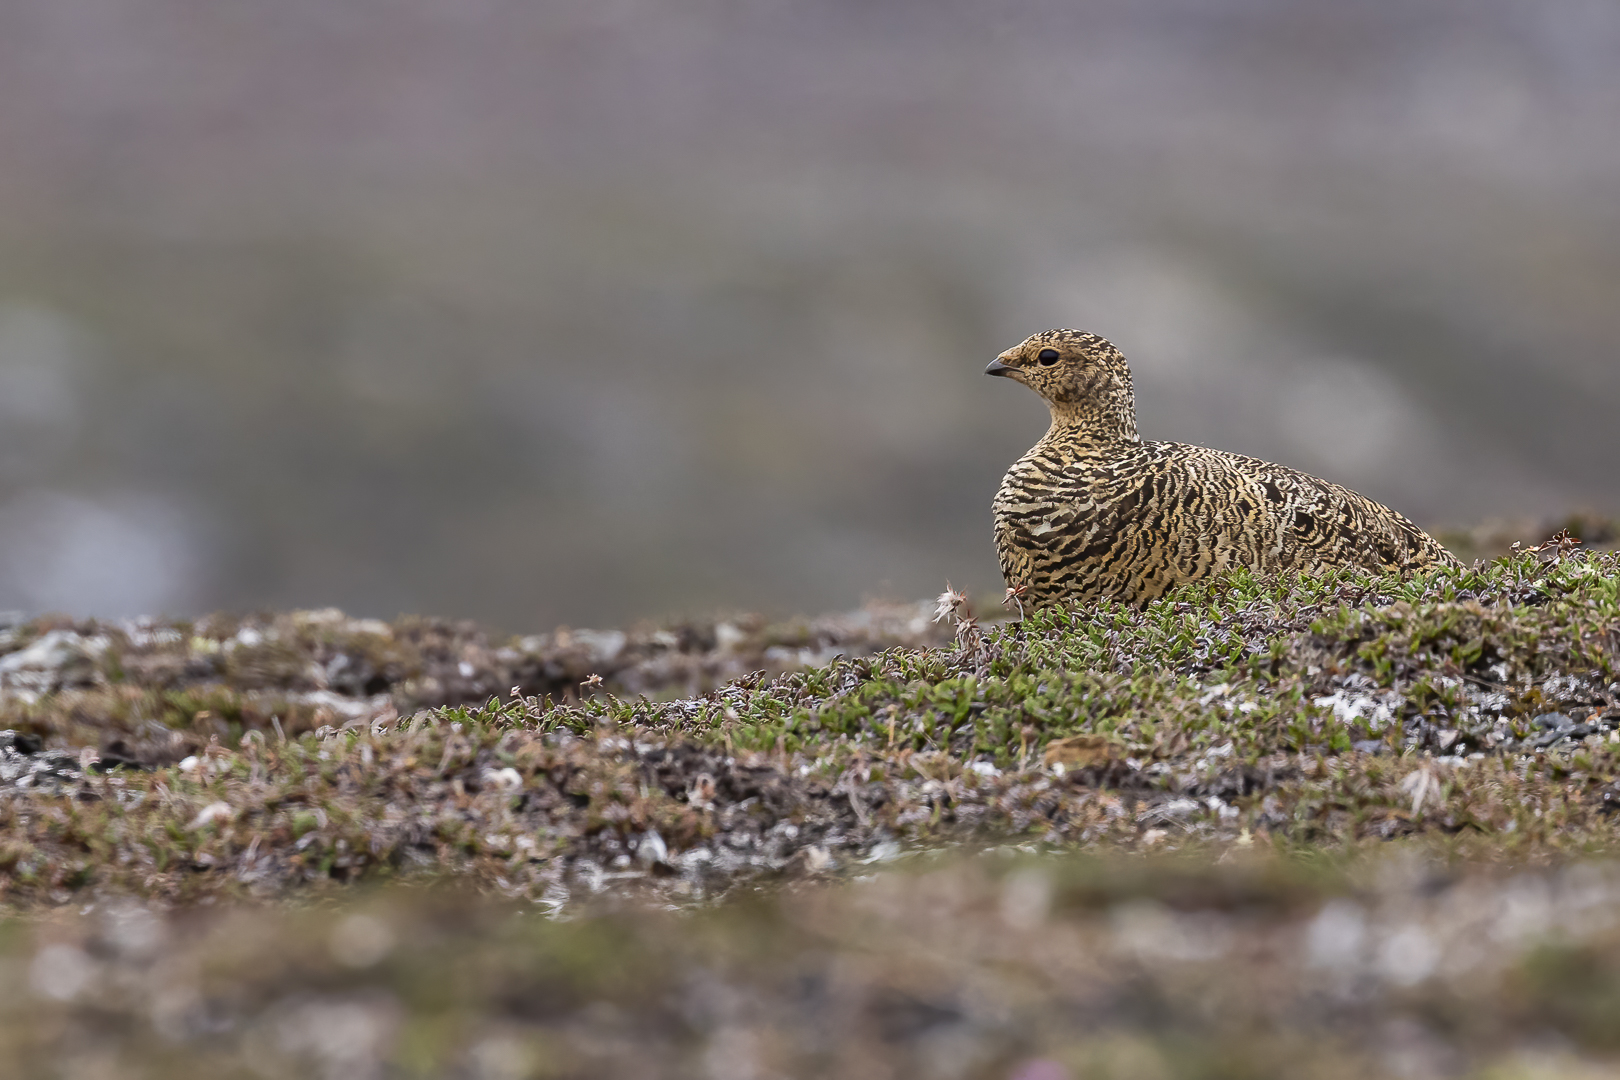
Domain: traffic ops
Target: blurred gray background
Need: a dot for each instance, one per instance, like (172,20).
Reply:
(590,309)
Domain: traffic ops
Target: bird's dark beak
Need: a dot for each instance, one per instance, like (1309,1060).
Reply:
(998,368)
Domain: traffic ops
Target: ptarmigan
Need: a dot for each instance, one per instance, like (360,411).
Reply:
(1092,511)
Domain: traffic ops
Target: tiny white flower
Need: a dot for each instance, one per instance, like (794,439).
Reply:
(507,779)
(216,811)
(949,603)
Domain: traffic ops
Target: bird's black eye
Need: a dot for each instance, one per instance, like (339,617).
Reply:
(1048,357)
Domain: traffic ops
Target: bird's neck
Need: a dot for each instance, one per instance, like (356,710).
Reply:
(1087,425)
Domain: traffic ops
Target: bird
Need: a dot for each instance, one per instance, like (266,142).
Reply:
(1093,512)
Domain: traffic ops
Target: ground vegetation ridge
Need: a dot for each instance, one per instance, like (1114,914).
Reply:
(1384,804)
(1478,704)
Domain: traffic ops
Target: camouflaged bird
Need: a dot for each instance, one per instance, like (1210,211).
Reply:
(1093,511)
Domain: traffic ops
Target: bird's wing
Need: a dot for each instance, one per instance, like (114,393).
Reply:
(1326,522)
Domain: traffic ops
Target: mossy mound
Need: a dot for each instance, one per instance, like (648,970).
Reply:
(1477,708)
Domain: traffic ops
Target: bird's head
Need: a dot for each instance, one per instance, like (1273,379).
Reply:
(1082,377)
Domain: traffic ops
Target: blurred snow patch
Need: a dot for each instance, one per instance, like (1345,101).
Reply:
(40,358)
(1409,955)
(1026,898)
(1337,937)
(1152,930)
(361,941)
(61,972)
(116,556)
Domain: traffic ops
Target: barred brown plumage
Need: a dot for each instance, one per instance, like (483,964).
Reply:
(1092,511)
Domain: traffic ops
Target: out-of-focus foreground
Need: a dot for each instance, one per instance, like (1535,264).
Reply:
(997,967)
(583,311)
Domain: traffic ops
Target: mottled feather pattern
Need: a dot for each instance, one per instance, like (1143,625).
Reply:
(1092,511)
